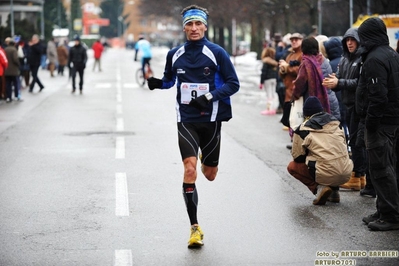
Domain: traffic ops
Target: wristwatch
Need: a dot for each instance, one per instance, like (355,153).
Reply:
(208,96)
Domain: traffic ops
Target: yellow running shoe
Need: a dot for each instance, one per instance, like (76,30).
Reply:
(196,237)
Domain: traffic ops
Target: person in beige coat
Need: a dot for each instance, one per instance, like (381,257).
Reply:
(321,160)
(62,53)
(52,56)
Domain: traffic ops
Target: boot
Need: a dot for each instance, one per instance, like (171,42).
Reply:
(353,183)
(368,191)
(334,197)
(363,181)
(323,192)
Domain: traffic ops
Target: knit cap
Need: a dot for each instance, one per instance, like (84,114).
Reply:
(312,106)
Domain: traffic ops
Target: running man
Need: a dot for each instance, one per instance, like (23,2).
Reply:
(206,79)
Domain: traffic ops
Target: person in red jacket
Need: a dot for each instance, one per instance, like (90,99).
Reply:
(98,49)
(3,66)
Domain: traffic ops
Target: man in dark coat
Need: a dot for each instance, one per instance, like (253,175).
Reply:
(377,98)
(77,63)
(346,82)
(34,59)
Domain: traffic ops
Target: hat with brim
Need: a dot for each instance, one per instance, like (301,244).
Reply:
(296,35)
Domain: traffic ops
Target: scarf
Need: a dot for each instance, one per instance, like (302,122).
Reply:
(309,81)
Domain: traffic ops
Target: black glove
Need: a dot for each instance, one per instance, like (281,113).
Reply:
(154,83)
(294,63)
(199,102)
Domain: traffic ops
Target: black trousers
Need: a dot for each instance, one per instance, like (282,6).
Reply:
(10,82)
(34,69)
(358,151)
(382,147)
(80,71)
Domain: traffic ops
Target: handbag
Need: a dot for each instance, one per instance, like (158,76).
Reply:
(296,113)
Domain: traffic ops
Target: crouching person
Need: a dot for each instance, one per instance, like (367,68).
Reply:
(321,160)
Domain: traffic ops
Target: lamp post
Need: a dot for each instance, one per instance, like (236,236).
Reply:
(320,10)
(42,20)
(120,19)
(121,23)
(12,16)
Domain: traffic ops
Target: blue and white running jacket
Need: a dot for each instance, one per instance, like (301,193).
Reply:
(200,67)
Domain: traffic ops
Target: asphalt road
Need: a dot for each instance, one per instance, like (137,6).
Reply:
(95,179)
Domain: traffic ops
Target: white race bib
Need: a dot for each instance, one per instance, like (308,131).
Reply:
(191,91)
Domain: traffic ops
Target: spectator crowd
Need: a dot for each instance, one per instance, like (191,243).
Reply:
(21,59)
(348,88)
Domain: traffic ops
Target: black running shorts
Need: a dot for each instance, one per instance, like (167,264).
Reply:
(205,136)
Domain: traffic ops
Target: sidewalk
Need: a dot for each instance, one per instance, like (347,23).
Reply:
(10,113)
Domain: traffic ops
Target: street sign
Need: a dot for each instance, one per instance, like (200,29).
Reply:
(97,21)
(77,24)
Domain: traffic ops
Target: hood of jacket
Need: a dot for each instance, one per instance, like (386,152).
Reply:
(324,64)
(319,121)
(353,33)
(373,33)
(334,48)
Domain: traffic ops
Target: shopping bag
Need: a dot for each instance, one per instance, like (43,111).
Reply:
(296,113)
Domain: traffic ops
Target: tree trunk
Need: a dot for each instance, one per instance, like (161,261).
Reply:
(221,37)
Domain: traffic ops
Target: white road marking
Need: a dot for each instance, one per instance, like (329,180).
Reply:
(119,110)
(129,85)
(121,195)
(120,125)
(119,98)
(123,257)
(103,85)
(120,148)
(118,88)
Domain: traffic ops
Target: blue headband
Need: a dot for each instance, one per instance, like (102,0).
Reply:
(194,15)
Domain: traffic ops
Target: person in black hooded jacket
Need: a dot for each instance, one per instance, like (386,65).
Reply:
(377,99)
(35,54)
(77,63)
(346,82)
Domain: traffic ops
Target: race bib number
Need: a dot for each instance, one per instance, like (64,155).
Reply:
(191,91)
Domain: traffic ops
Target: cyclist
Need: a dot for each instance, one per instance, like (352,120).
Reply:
(144,47)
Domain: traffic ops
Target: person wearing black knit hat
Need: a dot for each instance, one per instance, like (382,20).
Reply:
(77,59)
(320,157)
(312,106)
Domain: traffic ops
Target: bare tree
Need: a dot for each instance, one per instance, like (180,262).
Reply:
(274,15)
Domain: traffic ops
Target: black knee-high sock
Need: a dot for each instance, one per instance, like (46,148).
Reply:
(191,198)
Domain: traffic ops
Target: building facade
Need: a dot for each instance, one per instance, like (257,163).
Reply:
(30,10)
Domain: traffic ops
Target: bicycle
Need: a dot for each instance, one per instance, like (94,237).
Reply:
(139,75)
